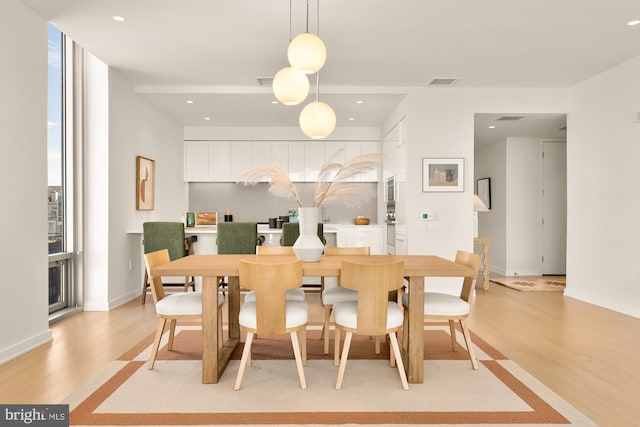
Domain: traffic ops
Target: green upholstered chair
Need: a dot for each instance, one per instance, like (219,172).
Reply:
(167,235)
(291,231)
(238,238)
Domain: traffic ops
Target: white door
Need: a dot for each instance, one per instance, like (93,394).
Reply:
(554,208)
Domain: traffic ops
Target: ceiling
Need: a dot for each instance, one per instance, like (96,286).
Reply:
(213,51)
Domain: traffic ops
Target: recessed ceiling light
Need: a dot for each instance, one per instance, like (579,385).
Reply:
(274,102)
(492,127)
(359,102)
(634,22)
(352,118)
(188,101)
(207,118)
(119,18)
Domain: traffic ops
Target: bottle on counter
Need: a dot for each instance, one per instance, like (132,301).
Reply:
(227,216)
(293,215)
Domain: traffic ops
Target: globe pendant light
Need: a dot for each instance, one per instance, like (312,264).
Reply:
(307,53)
(317,120)
(290,86)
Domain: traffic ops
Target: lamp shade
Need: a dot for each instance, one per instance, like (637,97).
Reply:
(307,53)
(478,204)
(317,120)
(290,86)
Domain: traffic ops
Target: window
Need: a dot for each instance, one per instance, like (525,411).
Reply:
(62,227)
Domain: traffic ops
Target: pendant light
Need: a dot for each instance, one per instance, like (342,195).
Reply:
(307,51)
(317,119)
(290,86)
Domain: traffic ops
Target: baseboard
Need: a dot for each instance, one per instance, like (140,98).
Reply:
(24,346)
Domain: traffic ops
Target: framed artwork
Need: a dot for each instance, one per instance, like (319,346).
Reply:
(442,174)
(145,183)
(483,191)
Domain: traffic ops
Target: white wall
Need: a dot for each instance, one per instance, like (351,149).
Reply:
(135,129)
(23,172)
(603,182)
(441,124)
(491,161)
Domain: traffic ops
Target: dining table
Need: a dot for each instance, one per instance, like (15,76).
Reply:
(215,356)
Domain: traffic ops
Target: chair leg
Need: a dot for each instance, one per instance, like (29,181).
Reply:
(452,329)
(145,283)
(302,338)
(336,347)
(396,350)
(156,342)
(392,357)
(467,340)
(243,361)
(172,333)
(325,327)
(296,352)
(343,360)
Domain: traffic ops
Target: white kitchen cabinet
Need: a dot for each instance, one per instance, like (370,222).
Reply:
(240,158)
(360,235)
(296,161)
(196,161)
(219,166)
(372,147)
(261,154)
(313,160)
(280,155)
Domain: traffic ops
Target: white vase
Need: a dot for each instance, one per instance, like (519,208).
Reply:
(308,247)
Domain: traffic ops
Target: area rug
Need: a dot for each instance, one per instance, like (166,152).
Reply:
(532,283)
(499,393)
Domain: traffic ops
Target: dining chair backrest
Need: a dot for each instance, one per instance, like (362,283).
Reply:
(291,231)
(159,235)
(270,281)
(373,281)
(275,250)
(237,237)
(473,261)
(152,260)
(344,250)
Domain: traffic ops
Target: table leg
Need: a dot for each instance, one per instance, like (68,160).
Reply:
(234,307)
(415,345)
(209,330)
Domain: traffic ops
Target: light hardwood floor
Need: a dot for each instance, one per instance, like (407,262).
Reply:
(586,354)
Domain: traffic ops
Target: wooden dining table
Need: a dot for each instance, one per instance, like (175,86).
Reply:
(215,357)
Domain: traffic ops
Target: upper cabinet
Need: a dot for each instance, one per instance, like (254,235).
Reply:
(224,161)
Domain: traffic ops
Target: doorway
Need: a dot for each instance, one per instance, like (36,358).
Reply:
(508,149)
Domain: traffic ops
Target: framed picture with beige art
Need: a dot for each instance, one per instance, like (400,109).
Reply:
(443,174)
(145,183)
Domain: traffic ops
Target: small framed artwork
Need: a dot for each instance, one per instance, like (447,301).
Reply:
(484,191)
(442,174)
(145,183)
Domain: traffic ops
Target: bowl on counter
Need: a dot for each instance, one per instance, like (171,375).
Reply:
(361,220)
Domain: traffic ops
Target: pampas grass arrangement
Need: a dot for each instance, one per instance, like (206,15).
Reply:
(333,186)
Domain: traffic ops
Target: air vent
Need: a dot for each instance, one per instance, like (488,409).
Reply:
(442,82)
(264,81)
(510,118)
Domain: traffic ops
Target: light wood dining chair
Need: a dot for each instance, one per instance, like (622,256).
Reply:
(439,306)
(296,294)
(372,314)
(332,294)
(272,313)
(174,307)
